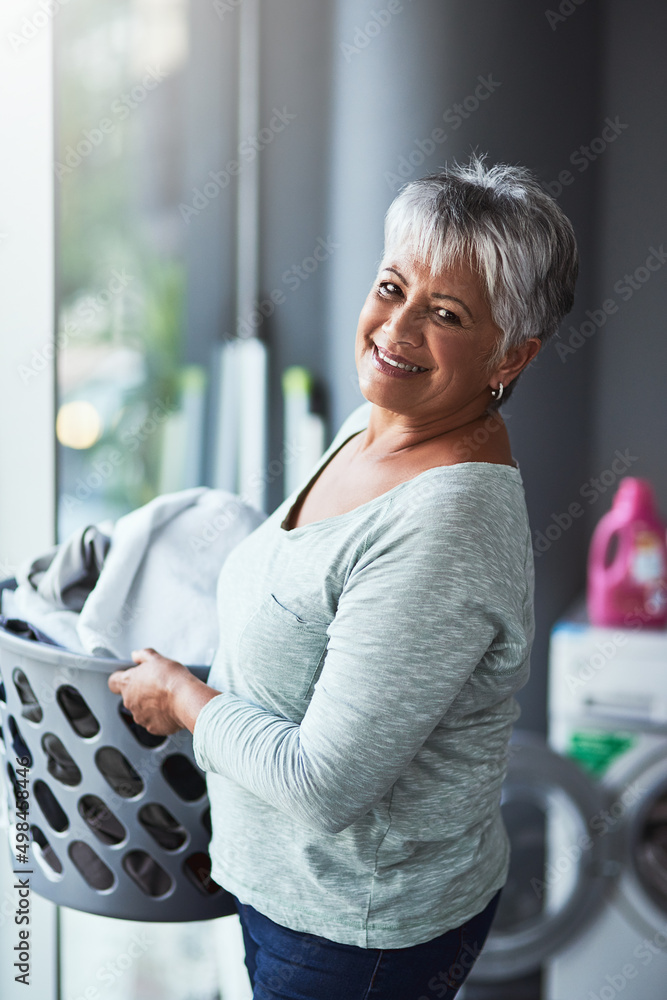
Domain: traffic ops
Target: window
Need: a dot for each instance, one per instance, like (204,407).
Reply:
(131,401)
(124,434)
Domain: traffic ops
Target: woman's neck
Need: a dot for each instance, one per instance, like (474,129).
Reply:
(394,433)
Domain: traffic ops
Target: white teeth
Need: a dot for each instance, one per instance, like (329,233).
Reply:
(398,364)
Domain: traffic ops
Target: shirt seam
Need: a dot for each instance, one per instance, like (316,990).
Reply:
(356,556)
(375,863)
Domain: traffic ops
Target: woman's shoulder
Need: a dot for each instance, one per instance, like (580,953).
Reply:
(464,507)
(465,487)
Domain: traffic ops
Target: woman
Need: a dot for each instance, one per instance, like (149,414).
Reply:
(374,629)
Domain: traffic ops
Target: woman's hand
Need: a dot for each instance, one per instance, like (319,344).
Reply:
(162,695)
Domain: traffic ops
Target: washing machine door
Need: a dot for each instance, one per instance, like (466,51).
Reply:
(560,867)
(637,787)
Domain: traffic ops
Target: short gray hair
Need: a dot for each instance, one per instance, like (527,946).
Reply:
(499,221)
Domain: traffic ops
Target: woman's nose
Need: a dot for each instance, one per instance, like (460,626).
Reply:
(404,325)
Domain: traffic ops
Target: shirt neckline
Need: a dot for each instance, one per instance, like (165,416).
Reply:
(382,497)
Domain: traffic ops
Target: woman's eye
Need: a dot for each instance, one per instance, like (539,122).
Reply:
(388,288)
(449,317)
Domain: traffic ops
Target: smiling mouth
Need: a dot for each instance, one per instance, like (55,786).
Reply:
(396,361)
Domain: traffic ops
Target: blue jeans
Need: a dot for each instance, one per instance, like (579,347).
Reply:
(289,965)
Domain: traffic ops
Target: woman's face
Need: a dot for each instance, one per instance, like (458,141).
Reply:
(440,324)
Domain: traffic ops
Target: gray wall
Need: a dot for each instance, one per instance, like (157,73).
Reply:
(295,171)
(630,411)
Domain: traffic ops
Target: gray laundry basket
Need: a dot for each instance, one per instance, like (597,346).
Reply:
(119,819)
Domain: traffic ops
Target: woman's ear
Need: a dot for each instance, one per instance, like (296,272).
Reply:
(516,360)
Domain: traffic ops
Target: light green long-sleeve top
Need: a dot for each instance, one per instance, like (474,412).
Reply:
(368,663)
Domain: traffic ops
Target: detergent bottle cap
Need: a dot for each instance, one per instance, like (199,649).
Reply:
(634,495)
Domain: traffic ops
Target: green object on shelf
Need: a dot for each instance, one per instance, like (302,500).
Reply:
(297,381)
(193,378)
(596,749)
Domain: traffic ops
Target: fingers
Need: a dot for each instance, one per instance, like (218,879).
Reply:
(139,655)
(148,653)
(116,681)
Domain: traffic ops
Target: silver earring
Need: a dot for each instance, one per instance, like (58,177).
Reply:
(498,393)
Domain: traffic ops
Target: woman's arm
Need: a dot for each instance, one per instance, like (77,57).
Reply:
(162,694)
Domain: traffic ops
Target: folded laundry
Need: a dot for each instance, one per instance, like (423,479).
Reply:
(25,630)
(45,622)
(148,581)
(65,575)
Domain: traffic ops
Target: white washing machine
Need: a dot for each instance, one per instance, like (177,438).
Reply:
(586,897)
(608,711)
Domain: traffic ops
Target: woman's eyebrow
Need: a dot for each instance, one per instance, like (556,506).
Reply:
(436,295)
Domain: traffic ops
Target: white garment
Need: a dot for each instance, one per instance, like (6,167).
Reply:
(157,586)
(27,605)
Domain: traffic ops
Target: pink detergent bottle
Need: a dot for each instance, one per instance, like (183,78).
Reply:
(627,562)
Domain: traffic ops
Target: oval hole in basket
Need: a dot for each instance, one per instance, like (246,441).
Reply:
(206,820)
(19,796)
(119,772)
(3,693)
(184,778)
(162,826)
(45,853)
(59,763)
(32,710)
(147,873)
(76,711)
(55,815)
(198,870)
(140,734)
(91,867)
(18,743)
(101,820)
